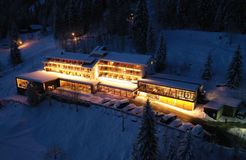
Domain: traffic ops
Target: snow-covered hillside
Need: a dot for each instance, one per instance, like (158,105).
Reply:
(96,133)
(91,133)
(190,48)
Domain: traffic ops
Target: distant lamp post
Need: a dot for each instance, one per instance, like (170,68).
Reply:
(74,41)
(19,42)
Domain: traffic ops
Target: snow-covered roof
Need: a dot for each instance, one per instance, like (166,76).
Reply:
(44,76)
(172,84)
(39,76)
(127,58)
(178,78)
(77,79)
(99,51)
(229,101)
(213,105)
(72,56)
(118,84)
(219,102)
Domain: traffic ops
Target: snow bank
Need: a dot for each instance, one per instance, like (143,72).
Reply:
(92,133)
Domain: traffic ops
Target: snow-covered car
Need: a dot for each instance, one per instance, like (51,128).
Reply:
(168,118)
(197,130)
(159,114)
(110,103)
(176,123)
(137,111)
(122,103)
(187,126)
(105,100)
(241,114)
(129,107)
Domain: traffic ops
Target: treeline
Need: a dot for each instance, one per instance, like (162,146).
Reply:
(82,16)
(209,15)
(14,11)
(112,15)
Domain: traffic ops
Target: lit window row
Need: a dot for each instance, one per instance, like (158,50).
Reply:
(167,91)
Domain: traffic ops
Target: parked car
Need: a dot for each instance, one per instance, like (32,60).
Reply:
(137,111)
(241,114)
(176,123)
(159,114)
(187,126)
(129,107)
(197,130)
(122,103)
(105,100)
(168,118)
(110,103)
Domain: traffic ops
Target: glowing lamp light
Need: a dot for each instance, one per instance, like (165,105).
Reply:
(19,42)
(73,34)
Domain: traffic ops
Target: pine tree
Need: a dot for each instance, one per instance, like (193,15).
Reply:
(72,18)
(171,151)
(151,39)
(235,70)
(15,54)
(32,94)
(171,146)
(146,147)
(140,27)
(205,13)
(85,8)
(60,26)
(184,150)
(207,73)
(161,55)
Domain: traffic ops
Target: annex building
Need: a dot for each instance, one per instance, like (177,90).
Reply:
(121,74)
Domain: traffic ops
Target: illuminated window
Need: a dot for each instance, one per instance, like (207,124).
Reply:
(21,83)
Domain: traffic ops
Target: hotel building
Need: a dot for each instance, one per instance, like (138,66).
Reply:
(121,74)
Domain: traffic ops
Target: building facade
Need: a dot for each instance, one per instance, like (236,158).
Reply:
(121,74)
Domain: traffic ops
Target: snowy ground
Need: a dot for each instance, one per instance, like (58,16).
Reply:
(192,48)
(92,133)
(96,133)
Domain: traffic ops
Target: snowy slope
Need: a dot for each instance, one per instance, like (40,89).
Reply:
(92,133)
(96,133)
(192,47)
(32,54)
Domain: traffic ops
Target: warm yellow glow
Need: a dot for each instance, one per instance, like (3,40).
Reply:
(24,45)
(143,94)
(118,70)
(165,107)
(167,91)
(67,68)
(124,68)
(78,87)
(20,42)
(70,77)
(118,83)
(21,83)
(121,73)
(96,71)
(63,63)
(171,101)
(178,103)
